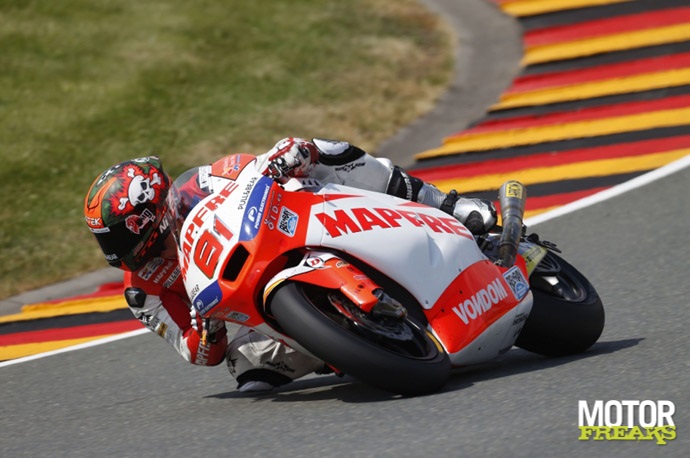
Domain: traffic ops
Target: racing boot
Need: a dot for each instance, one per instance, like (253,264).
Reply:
(259,363)
(478,215)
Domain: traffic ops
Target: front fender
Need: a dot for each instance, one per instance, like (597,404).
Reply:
(328,271)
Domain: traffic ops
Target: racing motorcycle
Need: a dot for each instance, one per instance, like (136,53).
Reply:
(388,291)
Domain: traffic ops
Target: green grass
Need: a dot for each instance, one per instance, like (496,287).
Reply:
(88,83)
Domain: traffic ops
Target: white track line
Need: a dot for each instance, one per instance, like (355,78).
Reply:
(614,191)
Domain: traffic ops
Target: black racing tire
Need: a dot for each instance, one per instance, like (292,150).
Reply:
(410,368)
(566,318)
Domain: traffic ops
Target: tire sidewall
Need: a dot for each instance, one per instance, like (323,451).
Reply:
(354,355)
(558,327)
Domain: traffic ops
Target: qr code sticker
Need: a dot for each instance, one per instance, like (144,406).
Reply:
(287,223)
(517,282)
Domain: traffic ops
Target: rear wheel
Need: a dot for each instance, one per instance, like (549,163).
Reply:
(395,354)
(567,316)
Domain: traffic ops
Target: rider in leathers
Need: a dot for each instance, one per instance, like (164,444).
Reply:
(133,208)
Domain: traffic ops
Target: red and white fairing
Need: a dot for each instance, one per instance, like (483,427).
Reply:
(232,247)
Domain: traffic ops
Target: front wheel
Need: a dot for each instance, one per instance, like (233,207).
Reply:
(567,316)
(397,355)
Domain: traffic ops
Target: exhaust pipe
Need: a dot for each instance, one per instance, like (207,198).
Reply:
(511,197)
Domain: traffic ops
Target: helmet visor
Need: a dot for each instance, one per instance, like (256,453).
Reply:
(134,241)
(122,246)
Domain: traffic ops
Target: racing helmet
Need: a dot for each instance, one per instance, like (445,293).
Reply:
(130,212)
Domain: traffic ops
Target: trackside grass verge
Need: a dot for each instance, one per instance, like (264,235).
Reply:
(88,83)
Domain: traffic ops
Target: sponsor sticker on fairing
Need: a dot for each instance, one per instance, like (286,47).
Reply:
(517,282)
(208,298)
(287,222)
(205,178)
(237,316)
(481,302)
(354,220)
(254,204)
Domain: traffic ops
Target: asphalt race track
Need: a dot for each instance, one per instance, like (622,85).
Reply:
(135,397)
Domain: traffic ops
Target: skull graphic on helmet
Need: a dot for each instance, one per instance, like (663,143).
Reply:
(140,189)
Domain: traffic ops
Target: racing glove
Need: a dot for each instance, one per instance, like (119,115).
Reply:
(290,157)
